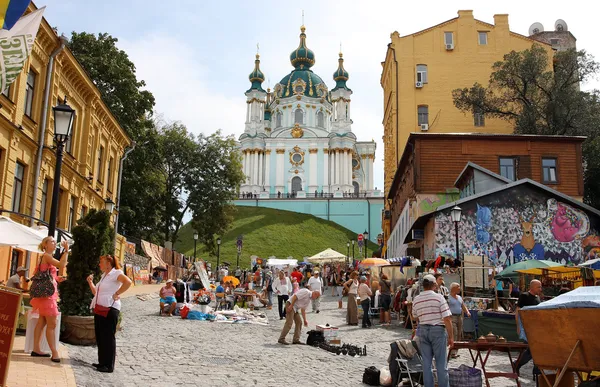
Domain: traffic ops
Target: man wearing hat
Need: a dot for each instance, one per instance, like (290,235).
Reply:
(15,280)
(315,285)
(434,331)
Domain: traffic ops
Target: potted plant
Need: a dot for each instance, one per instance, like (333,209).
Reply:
(93,236)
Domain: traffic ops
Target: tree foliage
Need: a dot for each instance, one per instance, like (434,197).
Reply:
(93,237)
(541,95)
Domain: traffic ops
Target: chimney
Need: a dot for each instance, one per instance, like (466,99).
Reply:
(466,14)
(501,20)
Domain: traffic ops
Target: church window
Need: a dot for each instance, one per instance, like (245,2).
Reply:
(355,163)
(320,120)
(297,157)
(299,89)
(299,116)
(279,118)
(296,184)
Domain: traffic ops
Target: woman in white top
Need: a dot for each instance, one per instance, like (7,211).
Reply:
(107,293)
(351,286)
(365,293)
(282,286)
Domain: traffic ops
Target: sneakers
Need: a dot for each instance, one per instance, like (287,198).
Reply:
(280,341)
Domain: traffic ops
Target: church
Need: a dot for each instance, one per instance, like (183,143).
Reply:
(298,139)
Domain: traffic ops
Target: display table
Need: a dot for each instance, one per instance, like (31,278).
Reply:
(476,349)
(32,320)
(245,297)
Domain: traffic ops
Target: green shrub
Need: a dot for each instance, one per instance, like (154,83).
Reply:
(93,236)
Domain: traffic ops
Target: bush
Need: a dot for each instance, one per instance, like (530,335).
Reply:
(93,236)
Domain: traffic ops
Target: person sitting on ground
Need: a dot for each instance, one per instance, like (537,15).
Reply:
(167,296)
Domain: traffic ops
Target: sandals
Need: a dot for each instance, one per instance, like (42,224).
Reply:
(35,354)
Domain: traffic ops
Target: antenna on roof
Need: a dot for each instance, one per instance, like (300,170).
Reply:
(536,28)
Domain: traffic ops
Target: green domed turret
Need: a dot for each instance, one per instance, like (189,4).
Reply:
(341,75)
(302,57)
(257,77)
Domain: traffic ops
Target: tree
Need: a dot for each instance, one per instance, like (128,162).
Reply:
(93,237)
(111,70)
(541,99)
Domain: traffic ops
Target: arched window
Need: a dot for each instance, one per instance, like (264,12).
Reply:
(356,188)
(296,184)
(320,120)
(299,116)
(279,118)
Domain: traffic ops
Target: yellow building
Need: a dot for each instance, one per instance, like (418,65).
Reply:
(91,158)
(421,70)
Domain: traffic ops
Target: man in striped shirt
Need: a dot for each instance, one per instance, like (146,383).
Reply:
(434,331)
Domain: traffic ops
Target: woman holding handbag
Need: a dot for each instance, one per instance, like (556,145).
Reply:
(107,305)
(44,295)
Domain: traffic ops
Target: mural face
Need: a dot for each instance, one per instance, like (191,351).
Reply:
(520,224)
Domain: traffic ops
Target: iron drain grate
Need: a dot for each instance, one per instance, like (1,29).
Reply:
(217,360)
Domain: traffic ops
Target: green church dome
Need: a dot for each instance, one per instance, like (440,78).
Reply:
(341,75)
(256,76)
(302,57)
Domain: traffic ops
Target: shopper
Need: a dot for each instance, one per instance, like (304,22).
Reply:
(365,293)
(282,287)
(295,307)
(385,287)
(315,284)
(434,331)
(457,308)
(107,294)
(351,286)
(47,307)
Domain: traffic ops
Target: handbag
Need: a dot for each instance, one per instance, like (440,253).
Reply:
(465,376)
(42,284)
(99,309)
(371,376)
(345,292)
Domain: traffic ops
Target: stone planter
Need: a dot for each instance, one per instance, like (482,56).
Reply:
(78,330)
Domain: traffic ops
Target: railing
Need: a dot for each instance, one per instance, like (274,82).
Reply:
(313,195)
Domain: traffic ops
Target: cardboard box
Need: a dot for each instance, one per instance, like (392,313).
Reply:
(335,342)
(328,331)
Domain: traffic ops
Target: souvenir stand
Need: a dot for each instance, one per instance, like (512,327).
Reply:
(566,341)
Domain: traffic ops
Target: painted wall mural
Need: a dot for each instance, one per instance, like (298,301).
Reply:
(431,202)
(520,224)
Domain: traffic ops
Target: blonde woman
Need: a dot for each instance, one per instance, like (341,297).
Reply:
(47,307)
(351,287)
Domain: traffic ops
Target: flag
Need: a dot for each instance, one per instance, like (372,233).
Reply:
(11,11)
(15,46)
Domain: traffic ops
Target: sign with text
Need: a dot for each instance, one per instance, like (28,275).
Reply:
(10,304)
(418,234)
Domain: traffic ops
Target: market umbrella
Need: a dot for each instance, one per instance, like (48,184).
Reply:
(510,272)
(591,264)
(371,262)
(328,255)
(230,278)
(18,235)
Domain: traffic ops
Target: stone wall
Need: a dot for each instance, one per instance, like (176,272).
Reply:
(136,260)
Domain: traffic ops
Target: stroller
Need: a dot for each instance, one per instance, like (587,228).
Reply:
(405,362)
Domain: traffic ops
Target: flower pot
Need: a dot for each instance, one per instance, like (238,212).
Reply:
(78,330)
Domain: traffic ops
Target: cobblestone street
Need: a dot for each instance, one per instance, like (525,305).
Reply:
(162,351)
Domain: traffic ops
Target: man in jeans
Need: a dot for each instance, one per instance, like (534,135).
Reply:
(434,331)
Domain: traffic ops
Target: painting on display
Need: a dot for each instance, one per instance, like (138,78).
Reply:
(520,224)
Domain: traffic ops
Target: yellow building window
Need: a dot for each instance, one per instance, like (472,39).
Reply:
(449,40)
(483,38)
(422,73)
(423,115)
(29,92)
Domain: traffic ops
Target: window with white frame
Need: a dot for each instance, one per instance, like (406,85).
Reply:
(29,91)
(422,73)
(278,120)
(299,116)
(18,186)
(320,119)
(423,114)
(483,38)
(549,170)
(449,38)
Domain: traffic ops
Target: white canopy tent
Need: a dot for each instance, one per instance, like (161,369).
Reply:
(20,236)
(282,262)
(328,255)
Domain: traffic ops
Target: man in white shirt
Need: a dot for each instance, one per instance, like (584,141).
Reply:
(295,306)
(315,283)
(15,280)
(434,331)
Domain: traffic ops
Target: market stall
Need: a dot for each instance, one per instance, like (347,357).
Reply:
(567,338)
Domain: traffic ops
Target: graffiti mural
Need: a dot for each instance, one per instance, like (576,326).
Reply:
(519,224)
(430,203)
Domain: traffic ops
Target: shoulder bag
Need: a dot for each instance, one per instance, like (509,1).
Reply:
(42,283)
(99,309)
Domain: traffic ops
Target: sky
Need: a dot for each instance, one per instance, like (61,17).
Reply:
(195,56)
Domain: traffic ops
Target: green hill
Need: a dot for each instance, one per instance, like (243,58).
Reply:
(268,232)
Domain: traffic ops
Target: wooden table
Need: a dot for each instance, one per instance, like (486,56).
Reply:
(476,348)
(244,296)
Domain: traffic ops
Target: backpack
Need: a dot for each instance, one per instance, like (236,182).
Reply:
(315,338)
(371,376)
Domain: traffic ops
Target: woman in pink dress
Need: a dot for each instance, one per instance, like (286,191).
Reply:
(46,307)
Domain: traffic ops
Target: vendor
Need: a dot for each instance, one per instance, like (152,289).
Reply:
(167,296)
(15,280)
(530,298)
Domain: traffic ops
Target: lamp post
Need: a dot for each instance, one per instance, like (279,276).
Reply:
(63,123)
(455,214)
(366,235)
(218,255)
(195,240)
(352,250)
(348,248)
(239,244)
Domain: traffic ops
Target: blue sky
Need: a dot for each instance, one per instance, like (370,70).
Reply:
(195,56)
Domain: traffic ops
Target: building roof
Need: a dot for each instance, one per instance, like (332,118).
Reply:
(490,136)
(470,165)
(422,220)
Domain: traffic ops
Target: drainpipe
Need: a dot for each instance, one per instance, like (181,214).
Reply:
(42,129)
(127,152)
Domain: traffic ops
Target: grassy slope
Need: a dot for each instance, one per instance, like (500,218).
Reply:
(268,232)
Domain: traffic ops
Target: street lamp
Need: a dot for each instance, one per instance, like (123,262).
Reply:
(366,235)
(109,205)
(63,123)
(348,248)
(455,214)
(195,240)
(218,255)
(353,250)
(239,244)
